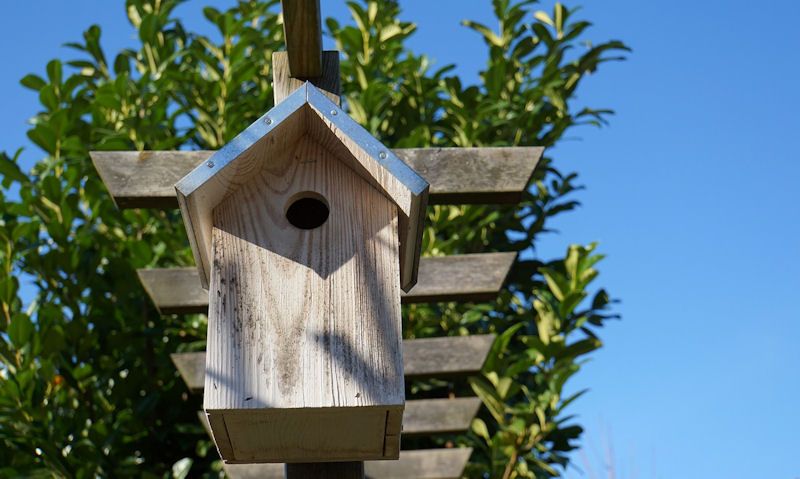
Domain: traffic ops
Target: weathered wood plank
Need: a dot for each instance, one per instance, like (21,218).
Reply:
(420,464)
(469,277)
(457,175)
(448,356)
(302,28)
(464,277)
(439,416)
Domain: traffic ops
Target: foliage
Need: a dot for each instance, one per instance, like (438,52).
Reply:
(87,388)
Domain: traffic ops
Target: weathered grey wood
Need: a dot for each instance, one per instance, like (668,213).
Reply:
(439,416)
(423,464)
(448,356)
(420,464)
(497,175)
(302,27)
(325,470)
(329,82)
(471,277)
(302,365)
(457,175)
(464,277)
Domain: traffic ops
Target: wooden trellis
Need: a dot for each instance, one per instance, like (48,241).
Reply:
(456,176)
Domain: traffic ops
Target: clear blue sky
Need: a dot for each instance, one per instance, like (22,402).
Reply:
(692,193)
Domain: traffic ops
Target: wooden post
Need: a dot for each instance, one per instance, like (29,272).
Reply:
(302,27)
(328,81)
(326,470)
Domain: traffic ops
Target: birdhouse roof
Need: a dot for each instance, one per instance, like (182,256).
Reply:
(305,112)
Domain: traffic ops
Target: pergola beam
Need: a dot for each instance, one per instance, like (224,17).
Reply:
(494,175)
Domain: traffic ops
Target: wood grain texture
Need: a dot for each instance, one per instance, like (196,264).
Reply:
(420,464)
(471,277)
(445,357)
(456,175)
(303,365)
(302,28)
(439,416)
(474,175)
(306,112)
(448,356)
(203,188)
(328,82)
(376,163)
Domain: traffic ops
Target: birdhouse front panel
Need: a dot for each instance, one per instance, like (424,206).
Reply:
(304,358)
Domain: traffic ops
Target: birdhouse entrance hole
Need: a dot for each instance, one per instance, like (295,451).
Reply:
(307,210)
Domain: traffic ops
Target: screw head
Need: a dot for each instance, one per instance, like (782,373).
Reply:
(382,155)
(334,112)
(268,120)
(210,164)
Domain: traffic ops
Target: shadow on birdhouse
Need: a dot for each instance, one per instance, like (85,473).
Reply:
(305,229)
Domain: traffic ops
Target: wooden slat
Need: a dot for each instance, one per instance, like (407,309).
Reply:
(448,356)
(457,175)
(439,416)
(302,27)
(421,464)
(469,277)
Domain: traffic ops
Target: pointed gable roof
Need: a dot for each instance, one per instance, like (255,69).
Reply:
(305,112)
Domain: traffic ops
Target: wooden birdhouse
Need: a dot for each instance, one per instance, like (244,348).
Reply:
(305,229)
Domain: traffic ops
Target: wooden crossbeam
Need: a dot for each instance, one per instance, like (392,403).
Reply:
(456,175)
(469,277)
(302,28)
(439,416)
(428,357)
(420,464)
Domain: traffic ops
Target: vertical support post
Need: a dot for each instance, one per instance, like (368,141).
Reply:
(328,81)
(326,470)
(302,28)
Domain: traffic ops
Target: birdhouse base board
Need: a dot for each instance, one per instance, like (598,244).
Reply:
(307,435)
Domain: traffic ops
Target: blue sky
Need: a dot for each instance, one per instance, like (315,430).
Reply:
(691,191)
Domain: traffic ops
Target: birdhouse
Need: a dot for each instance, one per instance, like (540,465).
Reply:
(305,229)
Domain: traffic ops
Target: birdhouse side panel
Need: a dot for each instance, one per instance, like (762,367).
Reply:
(304,318)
